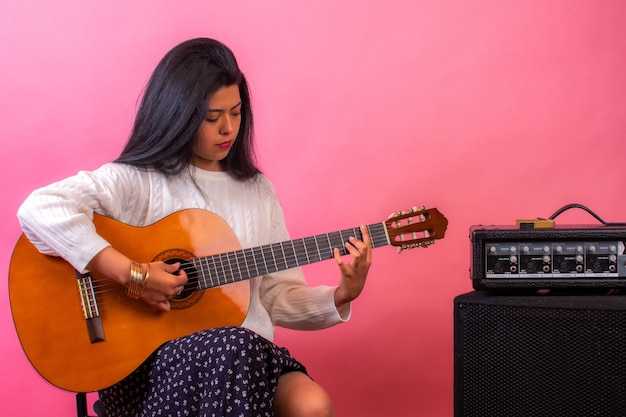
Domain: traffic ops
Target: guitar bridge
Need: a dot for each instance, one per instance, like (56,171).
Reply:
(90,307)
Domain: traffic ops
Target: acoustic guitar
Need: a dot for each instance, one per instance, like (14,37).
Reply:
(83,333)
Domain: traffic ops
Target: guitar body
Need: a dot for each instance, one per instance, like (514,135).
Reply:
(48,314)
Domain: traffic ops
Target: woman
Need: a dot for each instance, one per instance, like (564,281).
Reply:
(192,147)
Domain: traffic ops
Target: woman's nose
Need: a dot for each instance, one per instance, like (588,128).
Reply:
(228,125)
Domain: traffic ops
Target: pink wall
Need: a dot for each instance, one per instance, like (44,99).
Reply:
(487,110)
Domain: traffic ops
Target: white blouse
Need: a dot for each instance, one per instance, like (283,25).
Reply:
(58,221)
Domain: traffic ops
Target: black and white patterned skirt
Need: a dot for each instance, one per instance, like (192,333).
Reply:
(223,372)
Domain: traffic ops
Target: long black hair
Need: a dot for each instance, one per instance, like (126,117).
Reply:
(175,103)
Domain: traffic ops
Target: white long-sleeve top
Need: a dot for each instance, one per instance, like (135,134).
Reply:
(58,221)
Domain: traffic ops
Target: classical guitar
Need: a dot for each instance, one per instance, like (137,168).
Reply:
(82,333)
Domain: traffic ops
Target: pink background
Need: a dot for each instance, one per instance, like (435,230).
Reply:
(488,110)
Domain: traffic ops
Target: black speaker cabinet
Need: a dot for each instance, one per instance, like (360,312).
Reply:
(539,355)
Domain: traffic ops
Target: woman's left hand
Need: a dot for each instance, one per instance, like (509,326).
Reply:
(354,273)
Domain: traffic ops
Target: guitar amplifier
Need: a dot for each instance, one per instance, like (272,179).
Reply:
(539,355)
(555,258)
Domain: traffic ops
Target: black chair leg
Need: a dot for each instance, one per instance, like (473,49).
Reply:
(81,404)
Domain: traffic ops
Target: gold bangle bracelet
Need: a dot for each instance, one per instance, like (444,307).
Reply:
(145,280)
(137,283)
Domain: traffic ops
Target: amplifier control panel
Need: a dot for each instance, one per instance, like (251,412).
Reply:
(575,257)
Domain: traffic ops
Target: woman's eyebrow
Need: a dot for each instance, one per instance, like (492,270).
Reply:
(221,110)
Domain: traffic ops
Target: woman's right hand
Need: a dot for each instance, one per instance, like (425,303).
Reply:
(165,281)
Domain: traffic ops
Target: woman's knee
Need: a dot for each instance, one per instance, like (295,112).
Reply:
(298,395)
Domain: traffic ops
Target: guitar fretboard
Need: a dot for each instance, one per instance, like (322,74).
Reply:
(225,268)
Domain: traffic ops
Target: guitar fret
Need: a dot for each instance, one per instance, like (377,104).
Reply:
(265,269)
(195,262)
(206,273)
(356,233)
(231,269)
(250,264)
(295,253)
(301,253)
(212,261)
(267,255)
(243,252)
(290,255)
(228,271)
(319,244)
(330,246)
(238,270)
(337,241)
(241,272)
(271,249)
(250,256)
(379,235)
(310,248)
(199,264)
(281,261)
(317,247)
(255,259)
(223,272)
(283,258)
(344,250)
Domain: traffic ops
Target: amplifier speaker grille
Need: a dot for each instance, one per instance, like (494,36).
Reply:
(540,355)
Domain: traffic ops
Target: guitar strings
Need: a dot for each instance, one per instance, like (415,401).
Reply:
(234,265)
(265,259)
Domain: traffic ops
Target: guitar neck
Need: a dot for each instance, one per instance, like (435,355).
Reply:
(225,268)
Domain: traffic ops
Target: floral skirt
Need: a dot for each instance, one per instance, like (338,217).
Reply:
(223,372)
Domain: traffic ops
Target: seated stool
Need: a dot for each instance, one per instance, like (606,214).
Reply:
(81,406)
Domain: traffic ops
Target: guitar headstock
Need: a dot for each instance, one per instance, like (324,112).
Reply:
(416,227)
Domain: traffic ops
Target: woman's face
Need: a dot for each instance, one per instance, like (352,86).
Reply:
(218,130)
